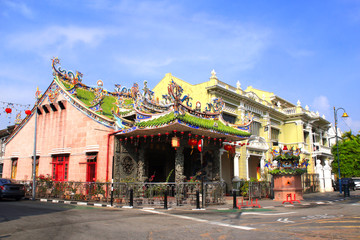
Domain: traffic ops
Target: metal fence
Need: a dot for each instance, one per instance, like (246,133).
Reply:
(142,193)
(310,182)
(252,189)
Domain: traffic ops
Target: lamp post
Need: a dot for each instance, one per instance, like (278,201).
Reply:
(337,143)
(37,97)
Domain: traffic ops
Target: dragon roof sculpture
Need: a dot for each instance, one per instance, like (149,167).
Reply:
(130,109)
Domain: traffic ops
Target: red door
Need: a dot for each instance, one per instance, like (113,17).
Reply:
(91,172)
(59,175)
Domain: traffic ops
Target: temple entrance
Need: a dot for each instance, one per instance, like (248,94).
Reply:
(227,169)
(160,159)
(254,167)
(193,166)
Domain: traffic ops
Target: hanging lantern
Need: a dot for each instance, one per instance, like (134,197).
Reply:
(285,148)
(175,142)
(152,137)
(182,135)
(8,110)
(159,134)
(27,112)
(144,138)
(192,142)
(167,136)
(227,147)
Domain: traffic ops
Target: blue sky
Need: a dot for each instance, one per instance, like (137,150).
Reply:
(300,50)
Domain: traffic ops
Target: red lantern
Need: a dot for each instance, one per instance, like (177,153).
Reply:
(285,148)
(227,147)
(27,112)
(192,142)
(8,110)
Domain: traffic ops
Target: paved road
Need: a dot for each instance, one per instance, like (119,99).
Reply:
(38,220)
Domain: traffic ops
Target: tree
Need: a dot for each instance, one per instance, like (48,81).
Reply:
(349,155)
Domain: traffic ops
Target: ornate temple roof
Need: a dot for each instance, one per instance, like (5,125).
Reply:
(137,112)
(132,111)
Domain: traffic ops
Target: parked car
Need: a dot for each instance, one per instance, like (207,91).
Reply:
(357,183)
(344,181)
(10,189)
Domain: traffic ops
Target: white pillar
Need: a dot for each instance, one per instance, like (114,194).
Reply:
(247,165)
(262,166)
(220,162)
(236,167)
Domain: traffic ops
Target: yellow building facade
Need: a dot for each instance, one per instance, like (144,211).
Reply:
(276,122)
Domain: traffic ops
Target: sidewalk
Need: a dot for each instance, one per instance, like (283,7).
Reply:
(309,199)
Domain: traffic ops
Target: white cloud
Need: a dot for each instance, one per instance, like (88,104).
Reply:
(20,7)
(321,104)
(56,38)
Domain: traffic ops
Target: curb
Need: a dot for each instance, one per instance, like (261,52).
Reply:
(323,202)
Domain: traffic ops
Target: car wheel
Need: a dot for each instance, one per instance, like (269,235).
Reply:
(18,198)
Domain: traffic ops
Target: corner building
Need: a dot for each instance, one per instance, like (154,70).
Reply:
(276,122)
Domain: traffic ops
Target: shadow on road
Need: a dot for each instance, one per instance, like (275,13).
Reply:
(12,210)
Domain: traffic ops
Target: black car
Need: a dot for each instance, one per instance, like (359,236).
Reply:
(344,181)
(10,189)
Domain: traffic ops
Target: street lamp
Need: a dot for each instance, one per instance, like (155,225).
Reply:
(337,144)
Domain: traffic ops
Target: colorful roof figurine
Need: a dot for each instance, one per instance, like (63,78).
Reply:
(286,161)
(134,111)
(176,114)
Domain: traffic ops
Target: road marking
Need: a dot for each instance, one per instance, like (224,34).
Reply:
(81,203)
(320,203)
(266,214)
(55,201)
(200,220)
(43,200)
(284,220)
(97,204)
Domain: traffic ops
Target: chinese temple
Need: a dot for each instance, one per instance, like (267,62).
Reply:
(85,133)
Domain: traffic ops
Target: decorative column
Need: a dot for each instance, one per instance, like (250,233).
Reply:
(327,176)
(221,152)
(319,170)
(262,166)
(236,168)
(141,165)
(179,165)
(247,165)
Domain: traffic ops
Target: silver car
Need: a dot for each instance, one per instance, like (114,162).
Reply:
(357,183)
(10,189)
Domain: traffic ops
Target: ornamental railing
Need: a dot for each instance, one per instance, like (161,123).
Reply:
(310,182)
(119,193)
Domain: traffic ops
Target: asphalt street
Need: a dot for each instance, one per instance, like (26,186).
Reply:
(310,220)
